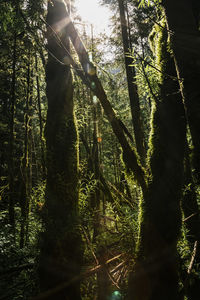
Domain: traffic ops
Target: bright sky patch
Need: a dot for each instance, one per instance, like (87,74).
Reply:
(93,13)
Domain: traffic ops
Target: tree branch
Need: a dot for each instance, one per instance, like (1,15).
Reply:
(129,153)
(82,276)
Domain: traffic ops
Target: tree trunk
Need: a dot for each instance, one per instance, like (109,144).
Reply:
(11,138)
(182,25)
(192,223)
(102,276)
(155,274)
(26,161)
(95,196)
(61,253)
(91,79)
(132,86)
(40,119)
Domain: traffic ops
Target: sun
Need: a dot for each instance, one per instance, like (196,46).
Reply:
(93,13)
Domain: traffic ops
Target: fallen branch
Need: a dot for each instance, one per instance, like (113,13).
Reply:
(129,153)
(122,273)
(118,267)
(82,276)
(189,270)
(186,219)
(89,245)
(112,279)
(124,197)
(192,258)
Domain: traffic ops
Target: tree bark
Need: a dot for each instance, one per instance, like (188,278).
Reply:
(40,119)
(185,41)
(11,137)
(61,253)
(26,161)
(132,86)
(155,273)
(192,223)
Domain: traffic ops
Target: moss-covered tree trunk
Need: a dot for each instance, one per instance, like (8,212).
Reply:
(155,273)
(184,34)
(61,253)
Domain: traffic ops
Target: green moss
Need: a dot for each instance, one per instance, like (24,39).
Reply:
(160,213)
(61,242)
(159,43)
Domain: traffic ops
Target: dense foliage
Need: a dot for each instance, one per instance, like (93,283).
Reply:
(100,152)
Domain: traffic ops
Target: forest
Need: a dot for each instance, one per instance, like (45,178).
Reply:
(100,151)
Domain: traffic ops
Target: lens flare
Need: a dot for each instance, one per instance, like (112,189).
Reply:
(95,100)
(116,295)
(93,85)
